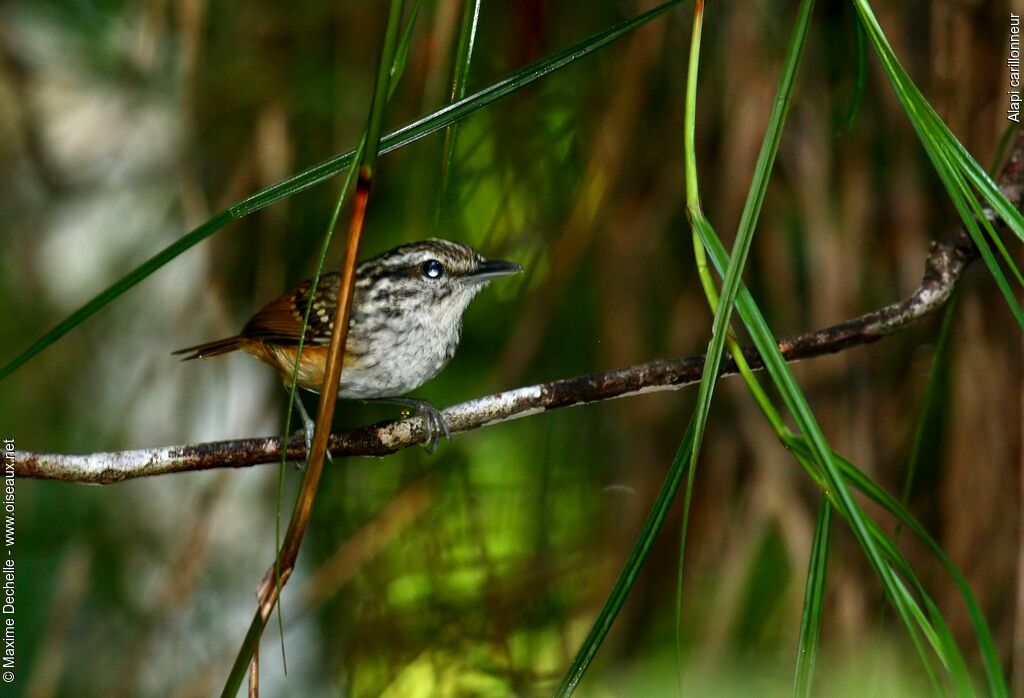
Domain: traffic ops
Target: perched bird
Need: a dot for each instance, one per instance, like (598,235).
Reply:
(405,326)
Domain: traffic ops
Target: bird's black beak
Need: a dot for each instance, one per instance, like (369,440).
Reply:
(492,270)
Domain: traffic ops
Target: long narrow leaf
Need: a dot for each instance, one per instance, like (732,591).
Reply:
(931,406)
(957,169)
(637,556)
(814,594)
(819,451)
(731,267)
(986,644)
(933,625)
(401,54)
(748,221)
(460,78)
(333,166)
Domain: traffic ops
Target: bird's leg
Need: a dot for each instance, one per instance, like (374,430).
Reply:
(433,422)
(309,425)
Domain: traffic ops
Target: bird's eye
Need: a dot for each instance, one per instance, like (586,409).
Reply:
(433,269)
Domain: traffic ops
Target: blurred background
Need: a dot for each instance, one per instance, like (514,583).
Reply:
(478,570)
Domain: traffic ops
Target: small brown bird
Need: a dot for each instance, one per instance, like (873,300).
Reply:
(405,326)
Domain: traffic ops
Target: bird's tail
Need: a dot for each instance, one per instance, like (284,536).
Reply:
(202,351)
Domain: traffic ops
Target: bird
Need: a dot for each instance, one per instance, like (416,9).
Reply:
(404,328)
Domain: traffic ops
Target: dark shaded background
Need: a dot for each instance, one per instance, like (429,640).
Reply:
(478,570)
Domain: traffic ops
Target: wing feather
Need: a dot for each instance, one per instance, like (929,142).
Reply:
(280,321)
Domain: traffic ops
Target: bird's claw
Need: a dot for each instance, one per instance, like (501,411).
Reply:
(301,465)
(434,425)
(310,427)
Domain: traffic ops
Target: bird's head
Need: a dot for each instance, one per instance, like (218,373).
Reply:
(433,279)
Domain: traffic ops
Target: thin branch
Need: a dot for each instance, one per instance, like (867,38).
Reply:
(944,268)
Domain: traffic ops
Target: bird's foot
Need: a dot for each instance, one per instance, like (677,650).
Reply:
(310,427)
(434,424)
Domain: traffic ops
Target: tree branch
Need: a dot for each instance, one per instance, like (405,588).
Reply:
(944,268)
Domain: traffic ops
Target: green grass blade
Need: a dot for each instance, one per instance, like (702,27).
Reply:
(723,306)
(810,621)
(929,421)
(624,583)
(904,600)
(460,78)
(375,119)
(464,51)
(748,219)
(957,169)
(932,624)
(971,212)
(335,165)
(402,53)
(1003,147)
(860,85)
(819,453)
(452,113)
(922,116)
(910,613)
(710,292)
(986,644)
(851,474)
